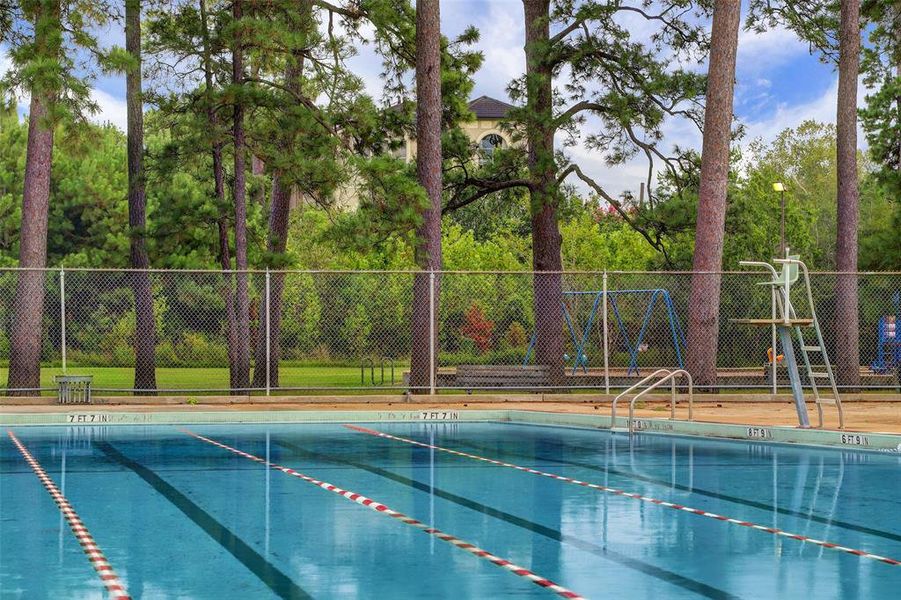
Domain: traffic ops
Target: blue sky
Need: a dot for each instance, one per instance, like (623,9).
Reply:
(779,83)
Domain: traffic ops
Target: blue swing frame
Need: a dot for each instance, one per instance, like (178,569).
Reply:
(633,348)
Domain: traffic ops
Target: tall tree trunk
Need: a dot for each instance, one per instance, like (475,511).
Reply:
(279,213)
(704,302)
(546,238)
(847,349)
(28,304)
(145,326)
(258,169)
(428,170)
(219,183)
(279,218)
(241,371)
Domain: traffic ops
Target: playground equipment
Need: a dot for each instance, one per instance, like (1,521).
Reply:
(785,321)
(888,350)
(580,338)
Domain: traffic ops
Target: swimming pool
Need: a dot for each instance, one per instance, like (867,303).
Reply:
(439,510)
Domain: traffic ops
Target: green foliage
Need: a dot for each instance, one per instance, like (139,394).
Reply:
(55,52)
(597,241)
(880,224)
(13,137)
(881,117)
(88,213)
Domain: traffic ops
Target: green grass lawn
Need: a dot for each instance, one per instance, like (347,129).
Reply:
(122,378)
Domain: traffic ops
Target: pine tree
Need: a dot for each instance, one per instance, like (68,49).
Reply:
(43,42)
(704,302)
(428,169)
(145,325)
(847,342)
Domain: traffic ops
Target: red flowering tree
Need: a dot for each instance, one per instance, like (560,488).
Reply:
(477,328)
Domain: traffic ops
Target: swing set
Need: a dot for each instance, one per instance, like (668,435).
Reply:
(581,339)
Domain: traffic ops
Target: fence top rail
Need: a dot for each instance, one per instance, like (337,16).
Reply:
(414,272)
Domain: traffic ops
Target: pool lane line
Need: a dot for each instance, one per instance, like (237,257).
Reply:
(270,575)
(697,490)
(401,517)
(664,575)
(634,496)
(108,576)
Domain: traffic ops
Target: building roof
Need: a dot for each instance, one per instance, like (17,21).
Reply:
(486,107)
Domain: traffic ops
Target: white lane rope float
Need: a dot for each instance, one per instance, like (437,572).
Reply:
(108,576)
(385,510)
(634,496)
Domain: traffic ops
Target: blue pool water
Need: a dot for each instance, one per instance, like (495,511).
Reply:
(181,518)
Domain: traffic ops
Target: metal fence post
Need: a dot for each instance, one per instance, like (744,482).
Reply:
(268,335)
(432,340)
(606,347)
(62,315)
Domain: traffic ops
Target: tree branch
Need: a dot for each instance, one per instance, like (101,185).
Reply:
(617,206)
(579,107)
(486,187)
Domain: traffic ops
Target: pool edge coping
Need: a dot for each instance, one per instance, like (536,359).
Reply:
(881,442)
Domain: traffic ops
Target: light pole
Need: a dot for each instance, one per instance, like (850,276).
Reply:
(778,187)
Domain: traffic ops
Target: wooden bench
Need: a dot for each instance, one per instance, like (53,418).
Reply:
(470,377)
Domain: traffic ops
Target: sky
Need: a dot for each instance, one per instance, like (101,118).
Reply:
(779,83)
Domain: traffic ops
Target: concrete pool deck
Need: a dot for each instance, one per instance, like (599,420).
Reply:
(863,413)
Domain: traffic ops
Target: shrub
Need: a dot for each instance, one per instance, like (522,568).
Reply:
(516,335)
(478,328)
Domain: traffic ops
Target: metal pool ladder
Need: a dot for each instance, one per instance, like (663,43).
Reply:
(73,389)
(662,376)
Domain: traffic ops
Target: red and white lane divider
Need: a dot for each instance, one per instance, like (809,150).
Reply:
(107,575)
(381,508)
(634,496)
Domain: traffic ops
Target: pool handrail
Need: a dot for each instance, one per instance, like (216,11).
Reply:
(633,387)
(668,376)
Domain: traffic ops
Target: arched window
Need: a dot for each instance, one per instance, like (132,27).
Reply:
(488,144)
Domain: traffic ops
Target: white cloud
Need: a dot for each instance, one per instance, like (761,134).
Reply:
(111,109)
(501,41)
(762,52)
(821,109)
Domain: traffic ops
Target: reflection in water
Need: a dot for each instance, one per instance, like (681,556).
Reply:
(835,495)
(432,488)
(175,499)
(268,505)
(777,541)
(62,524)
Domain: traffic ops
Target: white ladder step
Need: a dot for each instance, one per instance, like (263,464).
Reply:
(828,401)
(812,349)
(820,375)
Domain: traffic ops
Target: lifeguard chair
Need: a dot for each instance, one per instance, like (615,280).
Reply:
(788,325)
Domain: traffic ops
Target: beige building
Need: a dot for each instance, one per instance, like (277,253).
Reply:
(484,131)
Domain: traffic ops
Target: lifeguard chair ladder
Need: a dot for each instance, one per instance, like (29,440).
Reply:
(792,266)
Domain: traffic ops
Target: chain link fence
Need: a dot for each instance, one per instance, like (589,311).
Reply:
(352,332)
